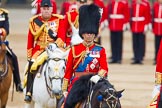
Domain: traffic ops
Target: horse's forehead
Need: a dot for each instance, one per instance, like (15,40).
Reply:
(56,62)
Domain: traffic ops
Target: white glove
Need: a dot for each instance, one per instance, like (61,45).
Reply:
(106,23)
(65,93)
(145,28)
(150,26)
(126,27)
(156,90)
(54,34)
(95,78)
(102,25)
(52,47)
(33,11)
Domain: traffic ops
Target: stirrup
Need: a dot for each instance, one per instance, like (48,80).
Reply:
(28,97)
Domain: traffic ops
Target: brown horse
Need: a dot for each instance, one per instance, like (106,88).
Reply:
(5,74)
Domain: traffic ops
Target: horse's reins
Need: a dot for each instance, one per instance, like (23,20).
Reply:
(107,100)
(49,89)
(3,72)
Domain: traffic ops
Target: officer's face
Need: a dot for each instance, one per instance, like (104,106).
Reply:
(79,4)
(88,38)
(46,12)
(90,2)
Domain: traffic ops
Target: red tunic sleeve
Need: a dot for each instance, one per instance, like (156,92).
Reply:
(102,61)
(159,60)
(30,44)
(69,67)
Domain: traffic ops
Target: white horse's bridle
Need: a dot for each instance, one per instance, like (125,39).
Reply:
(49,87)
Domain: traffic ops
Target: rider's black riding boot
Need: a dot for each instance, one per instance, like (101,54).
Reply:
(29,88)
(16,75)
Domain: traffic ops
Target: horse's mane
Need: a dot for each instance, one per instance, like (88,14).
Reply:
(78,92)
(102,82)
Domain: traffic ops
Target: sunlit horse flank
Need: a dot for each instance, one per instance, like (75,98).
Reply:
(5,74)
(47,87)
(100,95)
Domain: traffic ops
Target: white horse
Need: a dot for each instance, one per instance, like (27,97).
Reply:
(47,87)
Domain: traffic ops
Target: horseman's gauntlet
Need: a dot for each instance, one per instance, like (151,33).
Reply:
(158,78)
(64,85)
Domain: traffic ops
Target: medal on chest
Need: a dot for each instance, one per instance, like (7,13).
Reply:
(95,54)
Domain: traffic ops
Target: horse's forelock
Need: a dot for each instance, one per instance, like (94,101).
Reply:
(103,83)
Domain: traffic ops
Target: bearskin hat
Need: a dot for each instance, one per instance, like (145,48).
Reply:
(89,19)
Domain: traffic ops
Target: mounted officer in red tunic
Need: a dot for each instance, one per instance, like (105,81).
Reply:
(44,29)
(86,57)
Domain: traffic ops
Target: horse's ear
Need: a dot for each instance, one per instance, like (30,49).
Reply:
(119,93)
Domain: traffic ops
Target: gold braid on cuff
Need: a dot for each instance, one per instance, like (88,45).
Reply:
(65,85)
(158,78)
(102,72)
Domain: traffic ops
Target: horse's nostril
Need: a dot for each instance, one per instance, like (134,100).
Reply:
(57,94)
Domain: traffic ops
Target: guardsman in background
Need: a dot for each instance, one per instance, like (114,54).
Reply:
(36,4)
(140,19)
(4,31)
(118,22)
(157,25)
(71,19)
(44,29)
(103,22)
(67,6)
(86,57)
(148,23)
(157,91)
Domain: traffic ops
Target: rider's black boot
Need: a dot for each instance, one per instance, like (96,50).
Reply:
(16,74)
(29,88)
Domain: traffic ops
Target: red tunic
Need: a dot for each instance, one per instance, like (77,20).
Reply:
(159,59)
(53,5)
(37,41)
(157,21)
(118,15)
(70,17)
(92,63)
(140,16)
(159,69)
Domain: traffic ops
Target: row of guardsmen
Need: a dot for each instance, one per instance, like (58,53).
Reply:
(120,15)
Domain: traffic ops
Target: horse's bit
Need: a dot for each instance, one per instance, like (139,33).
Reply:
(111,99)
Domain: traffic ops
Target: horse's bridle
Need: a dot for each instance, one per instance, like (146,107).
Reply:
(3,72)
(49,89)
(111,101)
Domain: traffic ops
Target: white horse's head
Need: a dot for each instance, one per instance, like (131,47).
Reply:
(55,69)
